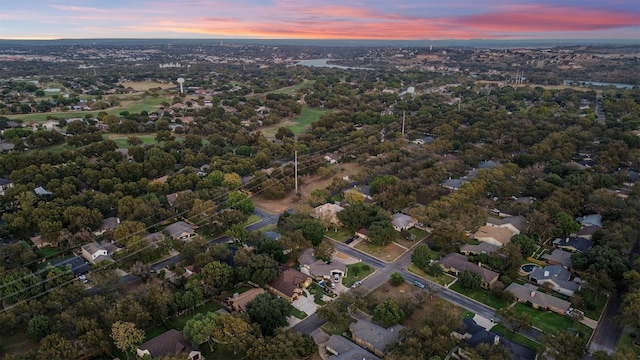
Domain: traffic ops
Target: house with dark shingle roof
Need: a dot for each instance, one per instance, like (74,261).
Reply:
(559,257)
(457,263)
(474,335)
(403,222)
(573,244)
(556,277)
(343,349)
(171,342)
(482,248)
(181,231)
(374,337)
(289,283)
(514,223)
(529,293)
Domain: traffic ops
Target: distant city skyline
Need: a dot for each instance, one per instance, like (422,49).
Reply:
(321,19)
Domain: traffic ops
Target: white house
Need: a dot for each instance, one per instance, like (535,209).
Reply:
(93,251)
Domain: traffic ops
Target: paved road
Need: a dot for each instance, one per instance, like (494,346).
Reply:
(608,332)
(309,324)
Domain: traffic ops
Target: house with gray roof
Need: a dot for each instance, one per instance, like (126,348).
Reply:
(516,224)
(95,252)
(482,248)
(457,263)
(529,293)
(556,277)
(474,335)
(171,342)
(453,184)
(592,219)
(403,222)
(108,225)
(343,349)
(318,269)
(374,337)
(40,191)
(573,244)
(181,231)
(558,257)
(4,185)
(488,164)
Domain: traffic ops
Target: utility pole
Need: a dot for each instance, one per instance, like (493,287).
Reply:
(295,169)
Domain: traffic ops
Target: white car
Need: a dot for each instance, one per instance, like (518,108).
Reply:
(336,277)
(356,284)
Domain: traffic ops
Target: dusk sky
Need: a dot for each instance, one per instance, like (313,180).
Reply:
(321,19)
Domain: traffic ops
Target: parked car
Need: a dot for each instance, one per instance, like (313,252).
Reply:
(336,277)
(356,284)
(418,284)
(351,239)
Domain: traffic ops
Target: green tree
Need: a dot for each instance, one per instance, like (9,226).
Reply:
(232,181)
(469,280)
(239,201)
(324,251)
(382,232)
(200,328)
(527,245)
(55,347)
(514,320)
(397,279)
(388,313)
(565,224)
(236,331)
(216,276)
(259,268)
(422,256)
(39,327)
(269,311)
(631,310)
(565,345)
(126,336)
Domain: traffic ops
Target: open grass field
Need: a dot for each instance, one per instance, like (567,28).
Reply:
(146,104)
(121,140)
(342,235)
(480,295)
(357,272)
(444,279)
(553,323)
(298,125)
(292,89)
(404,291)
(146,85)
(386,253)
(627,342)
(310,183)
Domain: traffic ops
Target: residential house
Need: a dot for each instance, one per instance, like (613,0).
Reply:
(154,238)
(403,222)
(493,235)
(272,235)
(4,185)
(453,184)
(75,264)
(528,293)
(374,337)
(587,232)
(573,244)
(318,269)
(328,214)
(593,219)
(516,224)
(108,225)
(41,242)
(40,191)
(289,283)
(171,342)
(555,277)
(482,248)
(473,335)
(362,233)
(173,197)
(239,301)
(95,252)
(343,349)
(457,263)
(332,158)
(488,164)
(558,257)
(181,231)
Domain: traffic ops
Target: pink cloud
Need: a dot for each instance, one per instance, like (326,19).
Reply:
(541,18)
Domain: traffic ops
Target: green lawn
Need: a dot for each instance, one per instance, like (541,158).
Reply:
(297,313)
(48,252)
(253,218)
(306,117)
(291,89)
(341,235)
(178,322)
(518,338)
(337,329)
(148,104)
(553,323)
(626,342)
(121,140)
(316,291)
(356,272)
(17,342)
(444,279)
(598,300)
(418,233)
(480,295)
